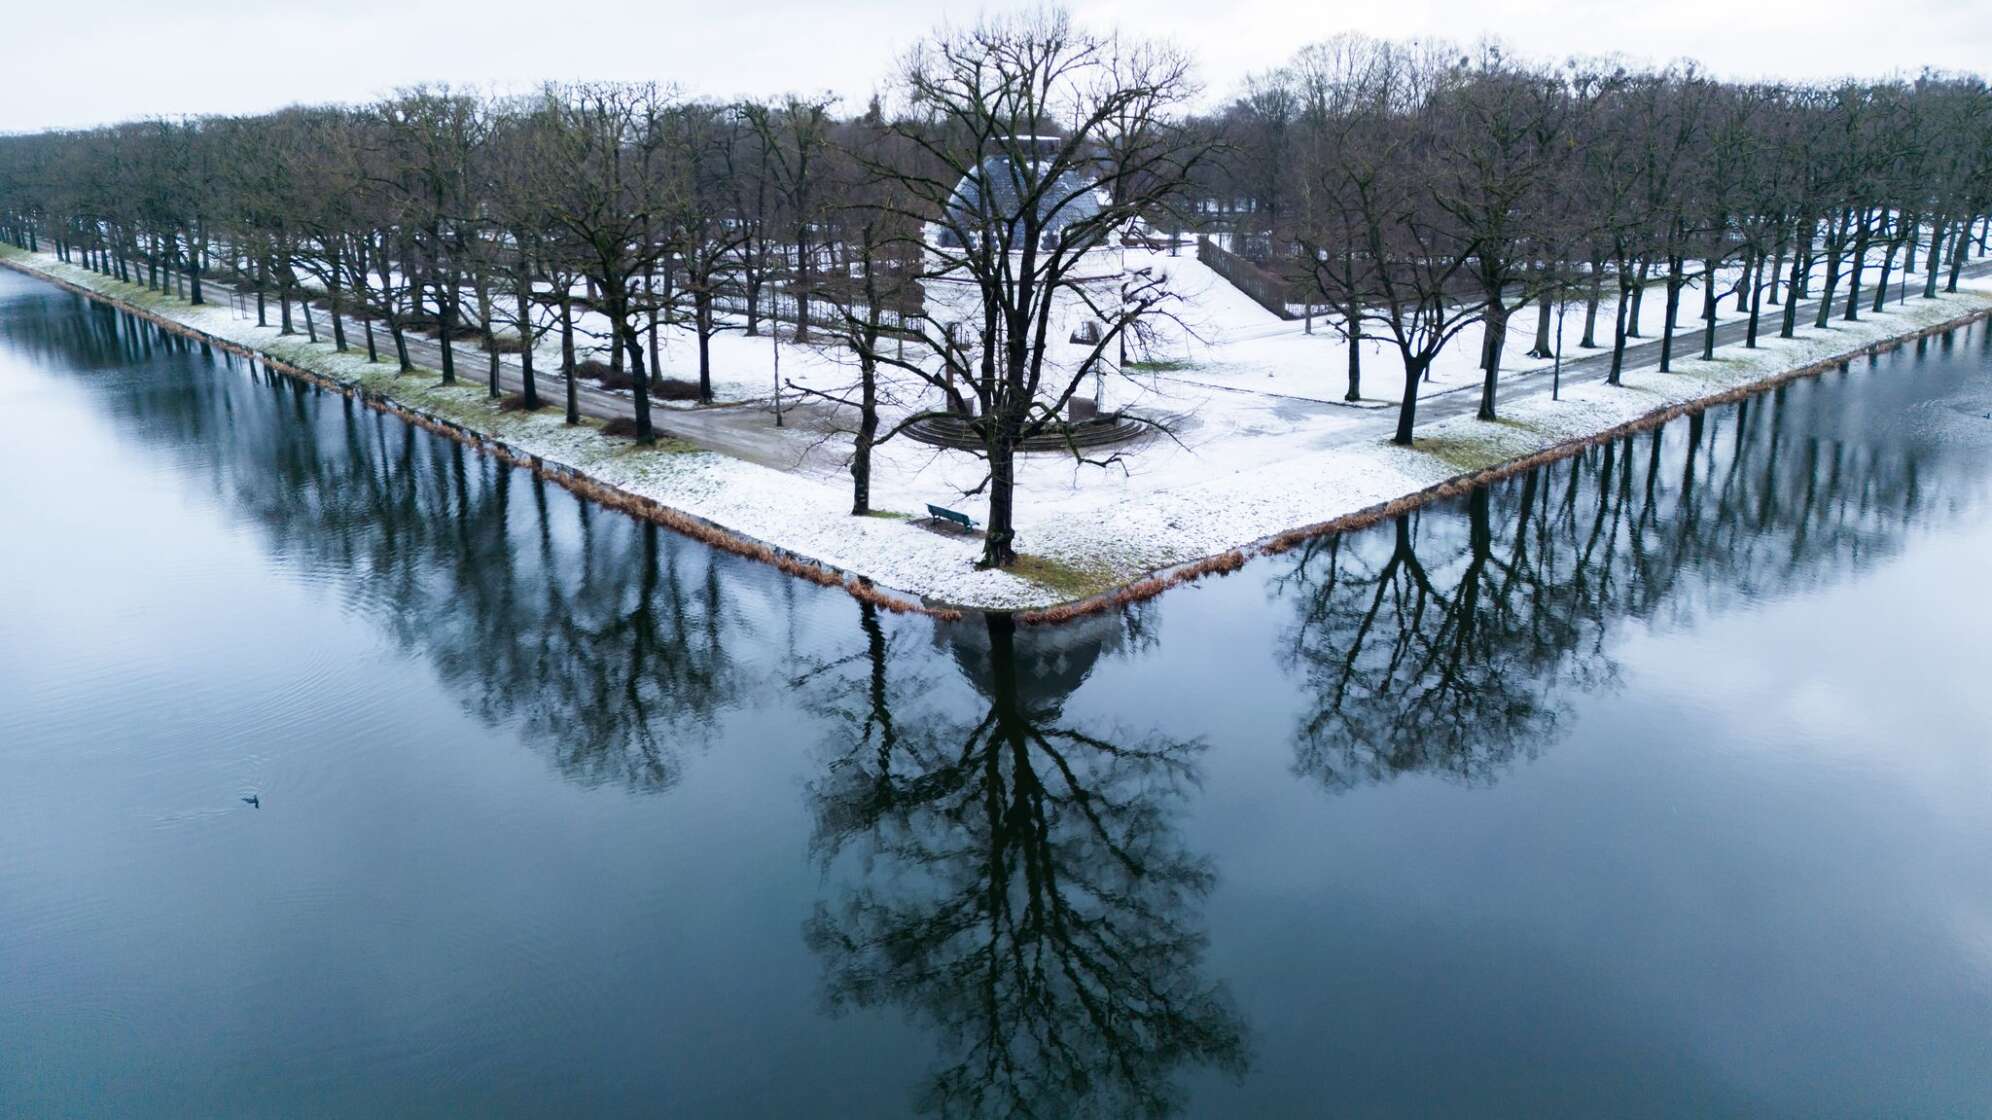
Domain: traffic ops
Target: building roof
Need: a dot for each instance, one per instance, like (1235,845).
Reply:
(1069,199)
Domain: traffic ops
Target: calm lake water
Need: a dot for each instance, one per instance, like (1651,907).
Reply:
(1655,783)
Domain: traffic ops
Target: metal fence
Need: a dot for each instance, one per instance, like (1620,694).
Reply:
(1266,289)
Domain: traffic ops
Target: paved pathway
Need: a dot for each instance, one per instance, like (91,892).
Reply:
(1595,365)
(746,430)
(1380,419)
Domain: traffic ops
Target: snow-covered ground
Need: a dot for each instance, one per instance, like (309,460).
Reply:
(1227,340)
(1243,463)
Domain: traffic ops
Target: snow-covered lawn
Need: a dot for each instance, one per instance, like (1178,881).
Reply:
(1243,463)
(1228,341)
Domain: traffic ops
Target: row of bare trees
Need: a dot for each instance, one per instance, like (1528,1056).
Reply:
(1417,189)
(614,210)
(487,220)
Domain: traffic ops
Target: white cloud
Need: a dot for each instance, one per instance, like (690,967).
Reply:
(123,58)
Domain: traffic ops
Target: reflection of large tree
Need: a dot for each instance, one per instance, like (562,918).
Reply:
(602,636)
(1420,666)
(1440,641)
(1023,890)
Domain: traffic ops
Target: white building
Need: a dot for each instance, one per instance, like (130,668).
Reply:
(1092,289)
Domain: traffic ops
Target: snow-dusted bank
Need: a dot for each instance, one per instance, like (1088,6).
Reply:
(1184,507)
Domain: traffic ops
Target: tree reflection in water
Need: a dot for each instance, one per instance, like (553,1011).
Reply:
(1008,875)
(1029,897)
(1021,887)
(1447,643)
(600,636)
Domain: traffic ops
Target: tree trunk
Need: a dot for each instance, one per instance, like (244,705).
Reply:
(1834,241)
(1808,248)
(388,309)
(1709,304)
(639,382)
(650,290)
(529,391)
(1638,297)
(1677,280)
(867,432)
(1407,409)
(801,289)
(1799,266)
(1497,337)
(1861,236)
(1674,265)
(1936,255)
(1543,347)
(999,542)
(1777,269)
(445,320)
(702,311)
(480,286)
(1619,332)
(1590,340)
(567,352)
(1887,267)
(1963,242)
(332,291)
(1756,303)
(1355,332)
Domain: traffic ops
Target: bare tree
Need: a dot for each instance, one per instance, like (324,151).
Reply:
(876,292)
(1015,208)
(707,238)
(611,205)
(795,135)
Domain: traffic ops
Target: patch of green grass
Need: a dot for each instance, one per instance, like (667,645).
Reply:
(1473,451)
(1068,580)
(1465,453)
(665,445)
(1162,365)
(889,514)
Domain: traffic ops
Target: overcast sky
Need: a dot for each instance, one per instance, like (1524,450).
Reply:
(86,63)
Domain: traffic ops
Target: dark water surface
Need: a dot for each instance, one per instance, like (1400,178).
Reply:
(1657,782)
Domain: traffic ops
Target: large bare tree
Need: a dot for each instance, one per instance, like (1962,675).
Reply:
(1007,123)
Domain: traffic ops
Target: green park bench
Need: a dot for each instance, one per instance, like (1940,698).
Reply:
(942,513)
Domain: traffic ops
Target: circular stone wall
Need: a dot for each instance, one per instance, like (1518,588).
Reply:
(959,432)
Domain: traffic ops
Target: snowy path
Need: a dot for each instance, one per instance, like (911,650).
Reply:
(1226,324)
(1245,464)
(1595,365)
(744,431)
